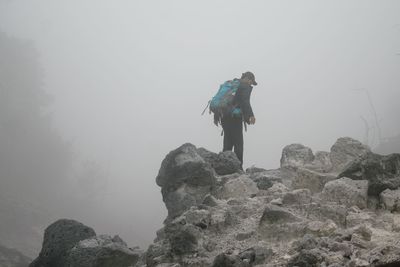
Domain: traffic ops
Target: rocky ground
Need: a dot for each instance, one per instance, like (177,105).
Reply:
(337,208)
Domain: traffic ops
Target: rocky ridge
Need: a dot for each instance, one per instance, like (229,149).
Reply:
(337,208)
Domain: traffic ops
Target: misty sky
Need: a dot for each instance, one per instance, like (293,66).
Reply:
(130,79)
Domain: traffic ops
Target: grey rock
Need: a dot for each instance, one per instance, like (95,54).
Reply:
(241,187)
(223,163)
(307,258)
(267,178)
(183,238)
(312,180)
(102,251)
(253,170)
(59,238)
(244,235)
(390,199)
(296,155)
(344,151)
(210,201)
(226,260)
(382,172)
(385,256)
(322,162)
(299,196)
(347,192)
(256,255)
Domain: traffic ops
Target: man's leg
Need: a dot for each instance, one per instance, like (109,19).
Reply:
(238,138)
(228,140)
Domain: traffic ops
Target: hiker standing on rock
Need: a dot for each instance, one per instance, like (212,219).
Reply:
(232,109)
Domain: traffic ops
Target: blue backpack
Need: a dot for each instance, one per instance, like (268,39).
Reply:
(222,103)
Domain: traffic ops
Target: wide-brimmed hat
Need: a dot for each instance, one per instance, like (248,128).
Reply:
(250,75)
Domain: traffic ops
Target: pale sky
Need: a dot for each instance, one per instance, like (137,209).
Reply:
(131,78)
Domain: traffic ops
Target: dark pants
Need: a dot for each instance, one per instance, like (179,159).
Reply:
(233,135)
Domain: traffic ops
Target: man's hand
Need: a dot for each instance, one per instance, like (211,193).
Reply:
(252,120)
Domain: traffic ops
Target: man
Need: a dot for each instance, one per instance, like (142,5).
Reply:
(233,124)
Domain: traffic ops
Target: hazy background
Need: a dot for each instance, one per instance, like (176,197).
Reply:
(128,81)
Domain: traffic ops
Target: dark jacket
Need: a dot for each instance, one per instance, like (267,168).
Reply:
(242,99)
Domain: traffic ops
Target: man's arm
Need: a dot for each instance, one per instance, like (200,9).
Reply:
(243,100)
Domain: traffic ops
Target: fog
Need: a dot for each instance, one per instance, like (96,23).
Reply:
(129,79)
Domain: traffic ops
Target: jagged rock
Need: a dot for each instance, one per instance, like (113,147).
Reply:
(210,201)
(279,224)
(185,179)
(307,258)
(385,256)
(13,258)
(296,155)
(244,235)
(322,162)
(241,187)
(299,196)
(344,151)
(59,238)
(184,238)
(267,178)
(225,260)
(157,254)
(256,255)
(223,163)
(347,192)
(253,170)
(382,172)
(312,180)
(102,251)
(390,199)
(199,218)
(324,211)
(356,218)
(318,228)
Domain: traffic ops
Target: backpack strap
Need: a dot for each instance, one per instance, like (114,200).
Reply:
(208,104)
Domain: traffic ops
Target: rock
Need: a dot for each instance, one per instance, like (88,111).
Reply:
(256,255)
(13,258)
(199,218)
(185,179)
(382,172)
(344,151)
(59,238)
(314,181)
(296,155)
(385,256)
(307,258)
(253,170)
(347,192)
(241,187)
(323,211)
(390,199)
(102,251)
(299,196)
(244,235)
(183,239)
(356,218)
(279,224)
(223,163)
(266,179)
(225,260)
(318,228)
(322,162)
(210,201)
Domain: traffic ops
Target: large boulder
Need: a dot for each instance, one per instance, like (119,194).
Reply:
(312,180)
(185,179)
(59,238)
(382,172)
(347,192)
(344,151)
(390,199)
(223,163)
(102,251)
(241,187)
(296,155)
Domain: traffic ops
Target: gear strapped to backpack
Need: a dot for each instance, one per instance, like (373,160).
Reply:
(222,104)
